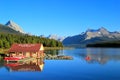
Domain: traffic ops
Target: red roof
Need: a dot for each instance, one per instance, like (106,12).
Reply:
(25,48)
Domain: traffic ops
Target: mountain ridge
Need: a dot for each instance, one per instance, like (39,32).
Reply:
(14,26)
(91,36)
(6,29)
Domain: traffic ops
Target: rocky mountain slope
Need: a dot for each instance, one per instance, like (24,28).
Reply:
(91,36)
(6,29)
(14,26)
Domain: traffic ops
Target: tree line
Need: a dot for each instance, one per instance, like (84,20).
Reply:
(6,40)
(105,44)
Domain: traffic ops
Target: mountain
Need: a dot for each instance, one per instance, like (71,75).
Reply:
(91,36)
(6,29)
(56,37)
(14,26)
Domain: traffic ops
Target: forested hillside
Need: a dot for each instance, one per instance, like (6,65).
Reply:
(6,40)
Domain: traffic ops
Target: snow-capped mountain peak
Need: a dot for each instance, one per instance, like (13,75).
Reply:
(91,36)
(91,33)
(56,37)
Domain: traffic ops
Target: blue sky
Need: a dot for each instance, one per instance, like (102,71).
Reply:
(61,17)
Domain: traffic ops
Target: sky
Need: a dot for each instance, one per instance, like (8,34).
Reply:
(61,17)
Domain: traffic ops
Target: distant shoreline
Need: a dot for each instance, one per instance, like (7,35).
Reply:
(57,48)
(105,45)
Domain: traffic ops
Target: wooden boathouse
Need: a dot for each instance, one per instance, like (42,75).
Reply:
(20,51)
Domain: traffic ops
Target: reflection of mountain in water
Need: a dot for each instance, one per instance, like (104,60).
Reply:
(101,56)
(35,65)
(97,55)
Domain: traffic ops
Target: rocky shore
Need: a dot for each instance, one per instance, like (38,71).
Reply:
(57,57)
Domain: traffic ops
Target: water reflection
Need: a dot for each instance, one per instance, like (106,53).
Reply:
(1,63)
(35,65)
(56,55)
(55,52)
(101,56)
(52,52)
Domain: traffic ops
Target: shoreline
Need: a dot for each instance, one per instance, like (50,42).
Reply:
(57,48)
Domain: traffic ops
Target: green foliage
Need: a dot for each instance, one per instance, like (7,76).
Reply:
(1,44)
(6,40)
(53,43)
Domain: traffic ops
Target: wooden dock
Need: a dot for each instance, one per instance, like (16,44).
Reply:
(58,57)
(26,59)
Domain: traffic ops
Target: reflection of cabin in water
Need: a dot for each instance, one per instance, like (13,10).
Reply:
(34,65)
(19,51)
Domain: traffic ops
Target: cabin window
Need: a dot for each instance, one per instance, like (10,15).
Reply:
(20,54)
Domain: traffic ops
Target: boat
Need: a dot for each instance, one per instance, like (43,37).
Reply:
(13,58)
(88,58)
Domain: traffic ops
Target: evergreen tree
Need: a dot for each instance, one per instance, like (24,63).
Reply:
(53,43)
(6,40)
(1,44)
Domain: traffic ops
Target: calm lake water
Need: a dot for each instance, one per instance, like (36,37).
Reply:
(102,64)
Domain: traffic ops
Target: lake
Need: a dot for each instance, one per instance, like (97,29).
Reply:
(87,64)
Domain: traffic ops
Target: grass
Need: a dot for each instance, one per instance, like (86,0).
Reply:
(3,50)
(53,48)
